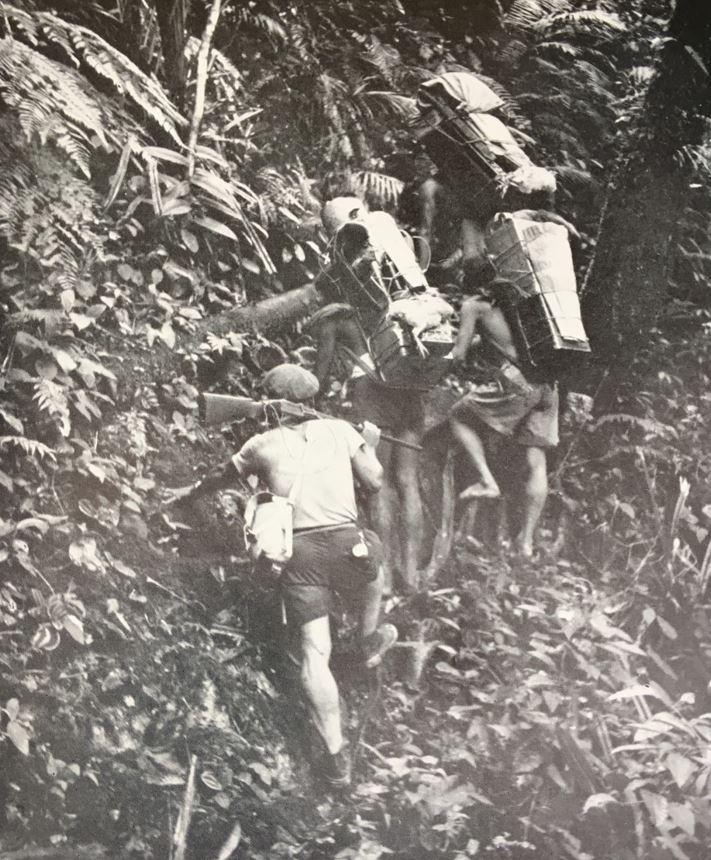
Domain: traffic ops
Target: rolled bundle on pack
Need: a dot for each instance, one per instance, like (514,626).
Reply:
(475,151)
(459,89)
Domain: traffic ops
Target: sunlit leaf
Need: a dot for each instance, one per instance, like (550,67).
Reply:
(19,737)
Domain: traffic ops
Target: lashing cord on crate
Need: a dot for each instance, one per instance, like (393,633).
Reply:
(494,180)
(380,282)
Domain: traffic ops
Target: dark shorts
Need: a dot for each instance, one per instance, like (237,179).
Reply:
(528,416)
(395,409)
(323,563)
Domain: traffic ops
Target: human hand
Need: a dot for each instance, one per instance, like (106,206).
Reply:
(371,434)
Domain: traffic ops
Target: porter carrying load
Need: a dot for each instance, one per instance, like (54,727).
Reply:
(534,258)
(474,150)
(404,322)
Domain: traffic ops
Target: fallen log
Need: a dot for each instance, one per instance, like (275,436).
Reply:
(270,314)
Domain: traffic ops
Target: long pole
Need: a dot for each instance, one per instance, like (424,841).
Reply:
(201,82)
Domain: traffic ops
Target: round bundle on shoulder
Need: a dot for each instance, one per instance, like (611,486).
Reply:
(341,210)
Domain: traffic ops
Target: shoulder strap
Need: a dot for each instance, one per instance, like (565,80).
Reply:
(356,359)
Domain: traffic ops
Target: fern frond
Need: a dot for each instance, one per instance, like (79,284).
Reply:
(44,316)
(51,398)
(635,422)
(31,447)
(694,159)
(592,23)
(260,21)
(526,14)
(559,50)
(89,53)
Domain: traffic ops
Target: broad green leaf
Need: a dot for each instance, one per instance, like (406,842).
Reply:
(12,420)
(210,780)
(18,735)
(81,321)
(45,638)
(12,708)
(666,628)
(160,153)
(74,628)
(680,767)
(190,240)
(250,265)
(216,227)
(68,298)
(653,690)
(683,817)
(179,207)
(167,335)
(41,525)
(64,360)
(596,801)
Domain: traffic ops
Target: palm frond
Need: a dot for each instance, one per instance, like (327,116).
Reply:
(385,58)
(390,104)
(378,189)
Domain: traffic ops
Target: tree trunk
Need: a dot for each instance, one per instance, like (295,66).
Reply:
(172,17)
(630,275)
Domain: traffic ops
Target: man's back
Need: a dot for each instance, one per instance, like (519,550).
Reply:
(481,316)
(316,453)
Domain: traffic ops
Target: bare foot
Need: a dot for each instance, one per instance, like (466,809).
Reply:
(524,549)
(480,491)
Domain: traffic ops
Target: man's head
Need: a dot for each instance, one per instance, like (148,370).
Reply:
(290,382)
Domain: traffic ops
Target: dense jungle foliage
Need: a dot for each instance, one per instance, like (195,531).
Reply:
(160,169)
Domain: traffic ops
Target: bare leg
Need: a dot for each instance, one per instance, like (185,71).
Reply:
(371,605)
(469,439)
(473,243)
(412,521)
(535,494)
(468,318)
(382,516)
(318,681)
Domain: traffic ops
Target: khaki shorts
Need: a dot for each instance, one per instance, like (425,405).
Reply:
(527,414)
(394,409)
(323,563)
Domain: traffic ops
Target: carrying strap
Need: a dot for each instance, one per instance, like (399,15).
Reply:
(370,372)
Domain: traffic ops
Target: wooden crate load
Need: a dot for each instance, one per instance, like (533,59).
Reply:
(472,148)
(411,346)
(395,254)
(414,332)
(534,257)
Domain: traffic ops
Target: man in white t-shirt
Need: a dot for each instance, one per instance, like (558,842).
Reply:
(331,551)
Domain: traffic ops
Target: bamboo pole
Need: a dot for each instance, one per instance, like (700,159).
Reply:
(180,839)
(201,82)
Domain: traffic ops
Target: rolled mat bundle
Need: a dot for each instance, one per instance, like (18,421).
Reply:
(473,149)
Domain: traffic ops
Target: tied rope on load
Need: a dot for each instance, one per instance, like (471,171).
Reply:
(374,271)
